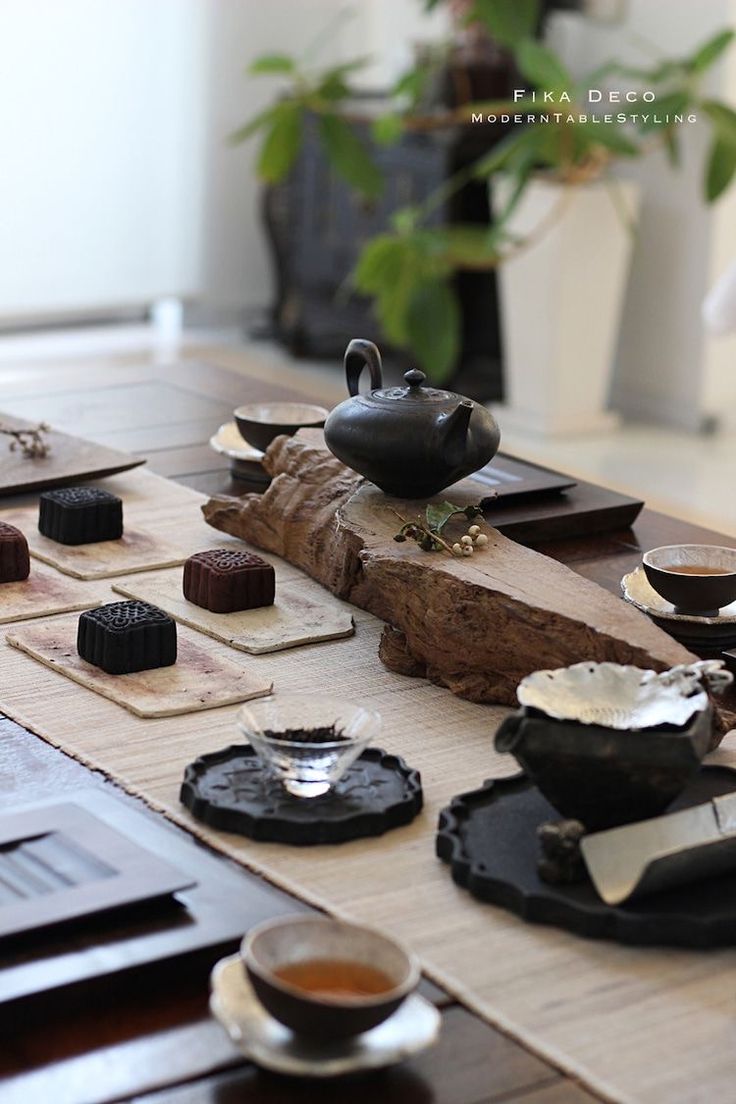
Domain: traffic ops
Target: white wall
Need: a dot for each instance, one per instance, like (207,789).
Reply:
(661,371)
(101,105)
(117,182)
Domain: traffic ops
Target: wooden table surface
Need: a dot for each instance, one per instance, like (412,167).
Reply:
(162,1045)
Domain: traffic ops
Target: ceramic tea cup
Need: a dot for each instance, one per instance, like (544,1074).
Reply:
(259,423)
(326,979)
(695,578)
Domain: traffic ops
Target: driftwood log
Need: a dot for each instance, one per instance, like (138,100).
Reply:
(476,625)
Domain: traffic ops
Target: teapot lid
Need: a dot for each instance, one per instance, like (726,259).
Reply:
(415,391)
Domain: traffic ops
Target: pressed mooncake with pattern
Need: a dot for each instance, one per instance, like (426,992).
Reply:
(226,580)
(15,562)
(80,515)
(123,637)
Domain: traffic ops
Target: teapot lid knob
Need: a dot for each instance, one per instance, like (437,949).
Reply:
(414,377)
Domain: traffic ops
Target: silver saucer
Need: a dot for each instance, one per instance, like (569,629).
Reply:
(413,1027)
(689,628)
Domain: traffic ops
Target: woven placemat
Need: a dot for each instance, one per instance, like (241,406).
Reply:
(43,593)
(634,1024)
(202,677)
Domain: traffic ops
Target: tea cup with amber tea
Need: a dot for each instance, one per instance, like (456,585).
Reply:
(307,741)
(326,979)
(695,578)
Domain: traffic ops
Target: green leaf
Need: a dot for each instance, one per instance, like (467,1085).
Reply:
(721,168)
(503,153)
(380,263)
(672,147)
(387,129)
(508,21)
(433,327)
(610,136)
(389,269)
(411,84)
(332,84)
(250,128)
(541,66)
(348,156)
(723,118)
(438,514)
(710,51)
(673,104)
(469,246)
(272,63)
(282,143)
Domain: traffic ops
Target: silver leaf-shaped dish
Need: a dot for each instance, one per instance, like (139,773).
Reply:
(622,697)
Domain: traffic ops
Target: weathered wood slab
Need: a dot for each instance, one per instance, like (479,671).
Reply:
(71,459)
(475,625)
(137,549)
(43,593)
(297,617)
(201,678)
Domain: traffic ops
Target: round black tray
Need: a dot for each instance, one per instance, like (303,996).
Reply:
(229,790)
(488,836)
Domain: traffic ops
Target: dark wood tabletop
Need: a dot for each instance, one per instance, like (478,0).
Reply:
(159,1043)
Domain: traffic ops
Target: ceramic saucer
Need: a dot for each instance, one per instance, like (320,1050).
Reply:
(691,629)
(413,1027)
(245,460)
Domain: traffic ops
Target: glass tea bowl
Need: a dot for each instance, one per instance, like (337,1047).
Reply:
(307,741)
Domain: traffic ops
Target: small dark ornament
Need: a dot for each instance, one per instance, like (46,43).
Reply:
(225,580)
(123,637)
(15,563)
(561,861)
(230,790)
(80,515)
(30,442)
(489,838)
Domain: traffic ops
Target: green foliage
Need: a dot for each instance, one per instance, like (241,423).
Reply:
(433,326)
(541,66)
(348,156)
(509,22)
(721,168)
(281,125)
(710,51)
(272,63)
(439,513)
(282,141)
(387,129)
(408,271)
(721,164)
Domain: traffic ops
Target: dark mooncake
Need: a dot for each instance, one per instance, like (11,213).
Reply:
(80,515)
(123,637)
(227,579)
(15,563)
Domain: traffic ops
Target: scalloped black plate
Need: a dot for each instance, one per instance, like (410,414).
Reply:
(228,790)
(488,837)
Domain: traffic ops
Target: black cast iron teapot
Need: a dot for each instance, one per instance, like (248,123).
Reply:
(410,441)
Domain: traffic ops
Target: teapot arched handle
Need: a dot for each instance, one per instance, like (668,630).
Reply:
(358,354)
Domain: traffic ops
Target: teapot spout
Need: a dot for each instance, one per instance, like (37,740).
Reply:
(456,432)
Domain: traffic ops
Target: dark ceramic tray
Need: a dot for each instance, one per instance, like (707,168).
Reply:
(488,837)
(228,790)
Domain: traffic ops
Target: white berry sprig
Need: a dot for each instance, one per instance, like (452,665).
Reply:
(427,532)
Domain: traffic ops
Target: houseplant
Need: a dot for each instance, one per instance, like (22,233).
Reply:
(408,271)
